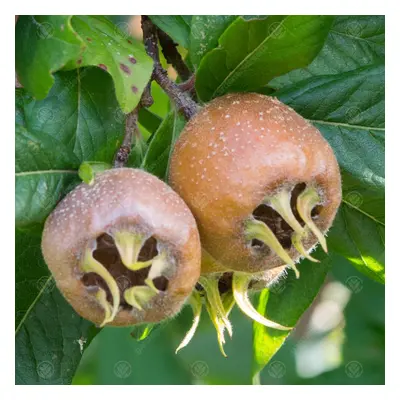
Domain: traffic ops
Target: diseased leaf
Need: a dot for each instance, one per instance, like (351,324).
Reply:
(349,111)
(114,51)
(204,34)
(176,26)
(43,45)
(157,157)
(353,41)
(285,302)
(54,135)
(251,53)
(50,336)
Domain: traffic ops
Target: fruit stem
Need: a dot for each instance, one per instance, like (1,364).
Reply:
(259,230)
(306,201)
(131,130)
(240,285)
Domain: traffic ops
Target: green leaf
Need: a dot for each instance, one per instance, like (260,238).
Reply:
(138,152)
(286,302)
(43,176)
(176,26)
(43,45)
(349,111)
(121,56)
(50,336)
(149,120)
(54,135)
(353,41)
(156,160)
(204,34)
(251,53)
(115,358)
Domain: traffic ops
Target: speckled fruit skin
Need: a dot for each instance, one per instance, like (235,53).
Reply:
(121,198)
(238,149)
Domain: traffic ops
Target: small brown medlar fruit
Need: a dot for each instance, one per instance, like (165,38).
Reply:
(263,185)
(123,250)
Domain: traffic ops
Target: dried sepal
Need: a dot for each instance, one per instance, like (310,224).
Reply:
(306,201)
(129,245)
(280,202)
(197,305)
(298,245)
(240,285)
(159,265)
(219,325)
(101,297)
(90,264)
(210,285)
(260,231)
(139,296)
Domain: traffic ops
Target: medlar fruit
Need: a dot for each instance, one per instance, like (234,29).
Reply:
(124,250)
(263,185)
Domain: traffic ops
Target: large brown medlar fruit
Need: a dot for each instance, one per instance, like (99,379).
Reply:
(264,187)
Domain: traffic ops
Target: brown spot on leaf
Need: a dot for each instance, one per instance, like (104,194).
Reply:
(88,39)
(79,61)
(102,66)
(132,59)
(134,89)
(125,68)
(129,41)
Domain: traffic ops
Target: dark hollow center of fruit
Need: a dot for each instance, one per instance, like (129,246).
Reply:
(277,224)
(107,254)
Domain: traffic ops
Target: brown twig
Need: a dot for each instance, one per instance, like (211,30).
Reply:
(189,85)
(182,100)
(147,99)
(131,130)
(172,55)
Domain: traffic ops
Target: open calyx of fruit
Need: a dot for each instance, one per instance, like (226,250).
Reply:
(259,181)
